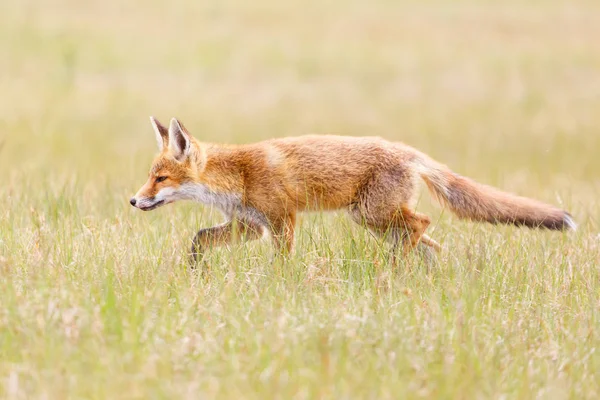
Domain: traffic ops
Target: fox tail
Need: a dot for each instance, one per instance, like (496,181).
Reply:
(471,200)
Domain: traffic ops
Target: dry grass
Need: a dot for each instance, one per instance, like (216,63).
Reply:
(95,299)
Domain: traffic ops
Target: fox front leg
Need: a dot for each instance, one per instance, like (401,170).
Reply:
(206,237)
(222,235)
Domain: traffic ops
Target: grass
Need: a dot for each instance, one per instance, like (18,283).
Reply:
(96,301)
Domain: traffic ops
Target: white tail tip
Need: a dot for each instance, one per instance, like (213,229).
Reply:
(570,223)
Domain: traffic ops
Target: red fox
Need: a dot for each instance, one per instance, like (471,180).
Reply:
(260,187)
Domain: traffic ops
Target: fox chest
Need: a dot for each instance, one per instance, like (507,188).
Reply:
(228,203)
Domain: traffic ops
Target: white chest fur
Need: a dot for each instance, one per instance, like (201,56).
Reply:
(203,194)
(229,203)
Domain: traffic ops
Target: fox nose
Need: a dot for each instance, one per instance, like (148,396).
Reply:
(132,201)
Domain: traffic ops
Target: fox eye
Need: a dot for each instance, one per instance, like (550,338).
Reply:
(160,179)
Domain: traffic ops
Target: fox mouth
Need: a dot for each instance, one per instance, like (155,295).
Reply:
(153,206)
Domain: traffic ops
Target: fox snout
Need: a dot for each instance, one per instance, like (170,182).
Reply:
(146,204)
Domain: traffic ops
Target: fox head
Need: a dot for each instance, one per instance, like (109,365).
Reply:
(171,171)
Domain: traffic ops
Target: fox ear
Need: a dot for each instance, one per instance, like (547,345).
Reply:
(179,140)
(162,134)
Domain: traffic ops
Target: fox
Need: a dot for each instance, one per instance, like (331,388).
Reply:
(261,187)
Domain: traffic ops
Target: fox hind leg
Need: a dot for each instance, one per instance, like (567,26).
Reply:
(427,241)
(414,224)
(383,206)
(404,228)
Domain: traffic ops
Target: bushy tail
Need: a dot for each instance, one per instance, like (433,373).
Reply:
(471,200)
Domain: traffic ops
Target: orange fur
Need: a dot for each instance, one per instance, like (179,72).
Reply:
(260,187)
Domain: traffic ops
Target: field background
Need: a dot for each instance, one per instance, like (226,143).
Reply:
(95,298)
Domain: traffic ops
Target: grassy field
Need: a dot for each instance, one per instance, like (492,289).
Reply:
(95,297)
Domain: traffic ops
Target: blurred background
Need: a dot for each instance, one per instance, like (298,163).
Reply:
(96,298)
(507,93)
